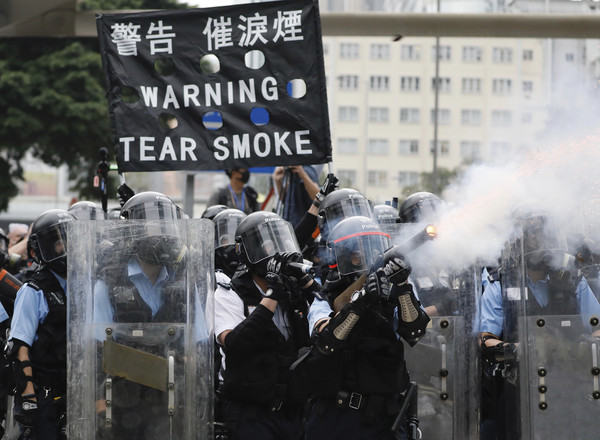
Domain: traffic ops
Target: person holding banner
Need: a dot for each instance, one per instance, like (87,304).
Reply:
(237,194)
(297,187)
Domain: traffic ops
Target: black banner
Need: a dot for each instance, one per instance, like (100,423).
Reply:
(207,89)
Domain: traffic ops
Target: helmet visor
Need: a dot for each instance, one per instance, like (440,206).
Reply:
(52,242)
(358,252)
(543,243)
(225,230)
(269,238)
(155,210)
(347,208)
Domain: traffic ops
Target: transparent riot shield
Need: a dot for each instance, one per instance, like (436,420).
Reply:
(445,363)
(550,384)
(139,351)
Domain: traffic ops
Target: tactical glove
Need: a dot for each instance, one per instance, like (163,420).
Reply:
(25,413)
(328,186)
(396,266)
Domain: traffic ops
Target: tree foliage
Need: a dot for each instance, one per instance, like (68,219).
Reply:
(53,102)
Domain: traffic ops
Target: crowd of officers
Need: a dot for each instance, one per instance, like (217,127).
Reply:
(311,328)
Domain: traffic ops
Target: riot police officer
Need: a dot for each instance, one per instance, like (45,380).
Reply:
(537,362)
(142,281)
(260,325)
(37,345)
(356,368)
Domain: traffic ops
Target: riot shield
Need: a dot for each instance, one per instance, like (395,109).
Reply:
(445,362)
(550,386)
(139,351)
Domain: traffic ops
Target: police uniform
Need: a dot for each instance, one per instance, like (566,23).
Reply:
(261,398)
(39,321)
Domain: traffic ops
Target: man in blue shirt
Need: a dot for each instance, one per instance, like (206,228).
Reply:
(37,344)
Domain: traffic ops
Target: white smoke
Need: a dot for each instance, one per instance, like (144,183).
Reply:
(561,180)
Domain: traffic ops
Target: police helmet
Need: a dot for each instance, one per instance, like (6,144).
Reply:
(48,239)
(85,210)
(213,210)
(339,204)
(151,205)
(226,223)
(114,213)
(386,217)
(155,241)
(261,235)
(419,207)
(356,243)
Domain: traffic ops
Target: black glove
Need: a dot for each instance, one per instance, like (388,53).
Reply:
(328,186)
(500,353)
(378,284)
(25,413)
(296,274)
(275,279)
(124,193)
(396,266)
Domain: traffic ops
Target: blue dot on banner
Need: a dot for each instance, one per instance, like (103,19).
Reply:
(259,116)
(212,120)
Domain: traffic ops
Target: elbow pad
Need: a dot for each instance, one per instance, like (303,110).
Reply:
(336,333)
(412,319)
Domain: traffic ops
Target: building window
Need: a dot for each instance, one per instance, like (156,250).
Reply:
(348,82)
(443,116)
(570,57)
(349,51)
(527,86)
(444,55)
(502,55)
(471,85)
(379,114)
(443,147)
(444,84)
(377,178)
(406,178)
(502,86)
(409,115)
(528,55)
(347,177)
(501,118)
(347,114)
(410,83)
(379,146)
(526,118)
(470,149)
(472,54)
(410,52)
(380,51)
(380,83)
(470,117)
(408,147)
(347,146)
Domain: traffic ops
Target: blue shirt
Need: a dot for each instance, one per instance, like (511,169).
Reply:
(297,200)
(31,309)
(492,312)
(150,293)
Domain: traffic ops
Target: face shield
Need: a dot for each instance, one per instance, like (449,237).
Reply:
(268,238)
(158,243)
(225,229)
(356,253)
(155,210)
(350,207)
(544,245)
(52,242)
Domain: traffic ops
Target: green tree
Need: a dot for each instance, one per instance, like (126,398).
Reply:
(53,102)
